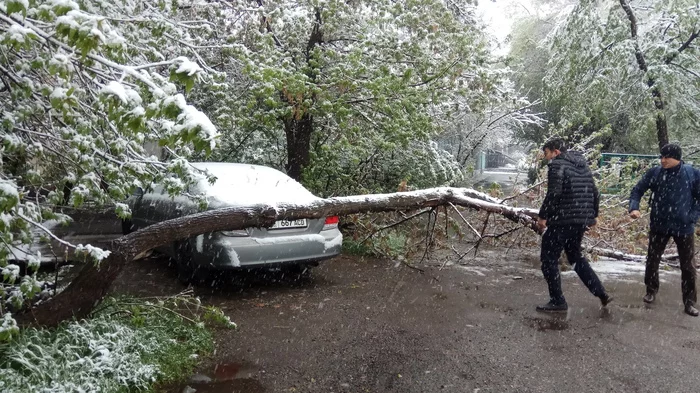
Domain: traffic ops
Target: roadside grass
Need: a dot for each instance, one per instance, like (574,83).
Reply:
(128,345)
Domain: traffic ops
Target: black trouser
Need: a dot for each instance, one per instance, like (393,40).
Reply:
(556,239)
(686,249)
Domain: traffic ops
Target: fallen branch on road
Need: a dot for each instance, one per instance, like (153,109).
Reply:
(615,254)
(94,280)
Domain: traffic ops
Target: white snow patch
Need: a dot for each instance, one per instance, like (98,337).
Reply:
(6,219)
(59,93)
(19,33)
(187,67)
(9,189)
(234,257)
(191,118)
(200,243)
(479,271)
(245,185)
(10,273)
(95,252)
(335,242)
(117,89)
(64,4)
(61,60)
(34,261)
(616,269)
(8,324)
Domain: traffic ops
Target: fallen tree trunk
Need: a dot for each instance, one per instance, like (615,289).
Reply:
(615,254)
(94,280)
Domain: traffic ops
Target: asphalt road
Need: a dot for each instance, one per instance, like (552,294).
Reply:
(365,325)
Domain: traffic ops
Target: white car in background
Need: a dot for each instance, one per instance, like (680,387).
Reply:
(296,244)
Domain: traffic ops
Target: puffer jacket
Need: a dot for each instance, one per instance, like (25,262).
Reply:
(675,201)
(572,197)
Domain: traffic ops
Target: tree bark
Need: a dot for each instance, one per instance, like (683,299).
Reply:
(619,255)
(298,133)
(661,123)
(300,125)
(93,281)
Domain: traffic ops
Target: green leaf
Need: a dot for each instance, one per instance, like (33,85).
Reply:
(14,6)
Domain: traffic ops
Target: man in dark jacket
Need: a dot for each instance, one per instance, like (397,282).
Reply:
(568,210)
(675,207)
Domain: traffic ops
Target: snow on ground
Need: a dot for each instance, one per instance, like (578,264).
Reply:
(607,269)
(612,269)
(479,271)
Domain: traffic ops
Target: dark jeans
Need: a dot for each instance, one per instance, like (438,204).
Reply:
(556,239)
(686,249)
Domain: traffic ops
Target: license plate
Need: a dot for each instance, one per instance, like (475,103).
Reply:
(285,224)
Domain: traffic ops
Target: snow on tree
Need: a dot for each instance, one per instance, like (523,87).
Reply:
(86,89)
(351,96)
(338,92)
(634,67)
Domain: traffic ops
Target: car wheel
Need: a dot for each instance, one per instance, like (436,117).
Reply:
(127,226)
(189,272)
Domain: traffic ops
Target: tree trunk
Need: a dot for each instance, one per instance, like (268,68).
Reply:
(661,124)
(299,127)
(298,132)
(93,282)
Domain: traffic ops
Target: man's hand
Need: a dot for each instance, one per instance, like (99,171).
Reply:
(541,223)
(635,214)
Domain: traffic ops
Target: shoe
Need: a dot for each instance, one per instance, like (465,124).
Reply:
(691,310)
(605,300)
(552,307)
(649,298)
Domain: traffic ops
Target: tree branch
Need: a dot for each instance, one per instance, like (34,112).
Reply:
(633,29)
(396,223)
(691,72)
(683,47)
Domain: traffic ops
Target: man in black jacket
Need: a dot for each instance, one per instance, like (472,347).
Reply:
(568,210)
(675,207)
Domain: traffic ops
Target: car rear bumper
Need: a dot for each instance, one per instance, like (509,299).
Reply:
(239,252)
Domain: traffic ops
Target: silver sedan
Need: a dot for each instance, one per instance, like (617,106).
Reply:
(295,244)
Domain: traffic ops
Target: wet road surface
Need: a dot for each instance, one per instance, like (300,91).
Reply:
(366,325)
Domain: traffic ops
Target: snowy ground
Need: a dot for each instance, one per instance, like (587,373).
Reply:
(614,270)
(358,325)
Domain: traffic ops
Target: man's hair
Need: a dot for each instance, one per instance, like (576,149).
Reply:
(555,144)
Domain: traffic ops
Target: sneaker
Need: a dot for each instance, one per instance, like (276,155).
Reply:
(552,307)
(691,310)
(605,300)
(649,298)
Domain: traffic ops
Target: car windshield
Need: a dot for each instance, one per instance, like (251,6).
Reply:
(244,184)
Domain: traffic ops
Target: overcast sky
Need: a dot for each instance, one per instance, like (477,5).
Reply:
(500,14)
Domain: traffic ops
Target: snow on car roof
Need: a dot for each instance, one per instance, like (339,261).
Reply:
(247,184)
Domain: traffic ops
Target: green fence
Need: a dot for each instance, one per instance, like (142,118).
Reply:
(605,159)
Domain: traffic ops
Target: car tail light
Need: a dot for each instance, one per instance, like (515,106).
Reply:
(331,223)
(236,233)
